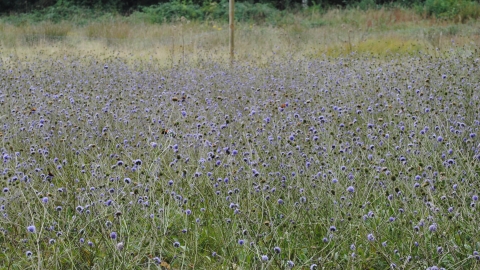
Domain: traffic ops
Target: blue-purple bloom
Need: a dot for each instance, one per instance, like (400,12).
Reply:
(31,229)
(370,237)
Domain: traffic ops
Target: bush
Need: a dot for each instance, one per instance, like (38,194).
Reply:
(55,14)
(244,12)
(452,9)
(171,11)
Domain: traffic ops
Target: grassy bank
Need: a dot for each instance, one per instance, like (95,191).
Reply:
(315,33)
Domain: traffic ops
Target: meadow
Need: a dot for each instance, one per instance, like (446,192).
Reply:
(324,146)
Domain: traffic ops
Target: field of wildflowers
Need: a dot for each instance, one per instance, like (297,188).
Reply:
(334,163)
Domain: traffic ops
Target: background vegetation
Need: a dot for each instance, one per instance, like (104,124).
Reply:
(161,11)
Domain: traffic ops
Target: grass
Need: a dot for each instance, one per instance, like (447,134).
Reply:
(350,145)
(333,33)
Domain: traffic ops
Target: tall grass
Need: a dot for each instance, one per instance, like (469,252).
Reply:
(333,32)
(349,162)
(346,139)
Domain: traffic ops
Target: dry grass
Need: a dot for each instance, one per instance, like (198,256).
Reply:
(334,33)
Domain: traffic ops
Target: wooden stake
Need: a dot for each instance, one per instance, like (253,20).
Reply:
(231,16)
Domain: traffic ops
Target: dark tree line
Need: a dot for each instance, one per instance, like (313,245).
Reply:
(9,6)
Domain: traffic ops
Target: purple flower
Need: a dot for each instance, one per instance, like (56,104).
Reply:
(45,199)
(32,229)
(290,264)
(433,227)
(264,258)
(277,250)
(241,242)
(188,212)
(370,237)
(475,197)
(351,189)
(113,235)
(333,228)
(176,244)
(28,253)
(280,201)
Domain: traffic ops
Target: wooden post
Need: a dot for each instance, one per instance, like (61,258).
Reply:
(231,16)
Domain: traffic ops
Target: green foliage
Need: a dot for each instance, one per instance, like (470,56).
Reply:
(365,4)
(257,12)
(450,9)
(244,12)
(170,11)
(56,14)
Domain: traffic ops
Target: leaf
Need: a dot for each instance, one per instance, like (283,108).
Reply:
(164,264)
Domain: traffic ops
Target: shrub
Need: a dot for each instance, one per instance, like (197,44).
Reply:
(244,12)
(452,9)
(172,10)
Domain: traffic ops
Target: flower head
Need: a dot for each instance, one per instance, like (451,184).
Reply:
(32,229)
(370,237)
